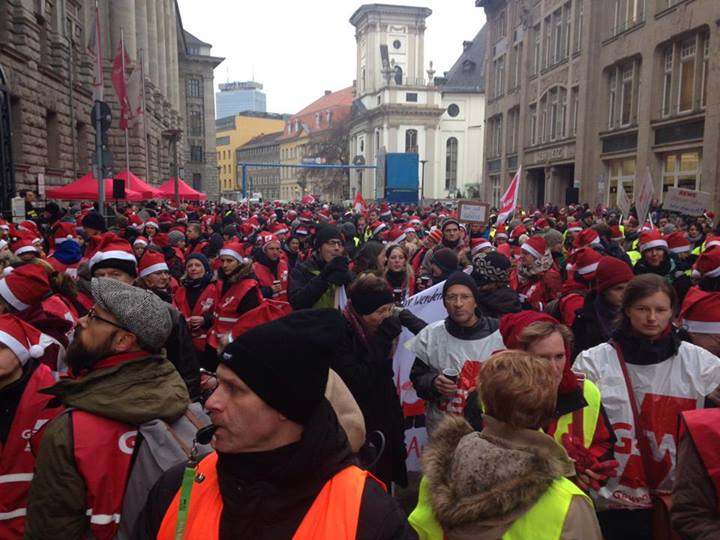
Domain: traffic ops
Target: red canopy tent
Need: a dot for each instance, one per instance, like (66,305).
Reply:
(86,188)
(167,191)
(137,184)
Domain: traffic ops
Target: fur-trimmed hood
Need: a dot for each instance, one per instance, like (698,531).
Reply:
(480,483)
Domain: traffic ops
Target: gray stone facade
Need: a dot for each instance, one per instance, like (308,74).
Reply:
(49,69)
(588,95)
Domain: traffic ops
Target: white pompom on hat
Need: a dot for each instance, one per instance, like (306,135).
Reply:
(21,338)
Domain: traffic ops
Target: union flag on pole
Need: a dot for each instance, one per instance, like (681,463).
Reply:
(508,203)
(120,84)
(359,205)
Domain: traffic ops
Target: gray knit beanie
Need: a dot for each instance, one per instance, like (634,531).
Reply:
(137,310)
(174,237)
(553,238)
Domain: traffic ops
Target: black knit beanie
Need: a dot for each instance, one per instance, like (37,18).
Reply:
(461,278)
(491,267)
(286,361)
(94,220)
(325,234)
(445,259)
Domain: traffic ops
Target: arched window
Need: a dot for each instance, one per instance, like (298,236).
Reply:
(451,161)
(411,144)
(398,75)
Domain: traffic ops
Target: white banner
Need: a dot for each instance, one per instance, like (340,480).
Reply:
(646,193)
(428,306)
(623,201)
(686,201)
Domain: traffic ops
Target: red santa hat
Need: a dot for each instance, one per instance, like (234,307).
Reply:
(4,225)
(23,243)
(646,227)
(575,227)
(651,239)
(151,262)
(21,338)
(616,234)
(535,246)
(25,286)
(478,244)
(677,243)
(279,228)
(700,312)
(435,235)
(409,230)
(501,231)
(385,211)
(233,249)
(586,237)
(378,227)
(152,222)
(140,241)
(707,264)
(268,239)
(517,232)
(114,252)
(135,222)
(711,241)
(301,231)
(395,235)
(29,227)
(64,231)
(586,262)
(306,216)
(414,220)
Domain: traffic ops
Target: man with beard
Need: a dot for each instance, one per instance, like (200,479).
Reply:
(119,382)
(115,260)
(282,466)
(451,239)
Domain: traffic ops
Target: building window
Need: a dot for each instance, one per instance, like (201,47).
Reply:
(411,97)
(453,110)
(500,26)
(568,29)
(451,164)
(52,132)
(575,108)
(194,88)
(496,139)
(411,140)
(578,25)
(548,42)
(621,175)
(667,81)
(687,75)
(705,70)
(317,120)
(627,94)
(499,76)
(557,35)
(536,50)
(682,170)
(196,123)
(554,119)
(496,188)
(515,65)
(533,124)
(512,130)
(196,154)
(197,181)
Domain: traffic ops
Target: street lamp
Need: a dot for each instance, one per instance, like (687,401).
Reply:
(173,135)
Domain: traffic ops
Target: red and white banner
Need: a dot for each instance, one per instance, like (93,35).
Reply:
(508,203)
(359,205)
(94,48)
(119,83)
(134,96)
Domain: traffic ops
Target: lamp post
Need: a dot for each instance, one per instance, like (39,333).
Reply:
(173,136)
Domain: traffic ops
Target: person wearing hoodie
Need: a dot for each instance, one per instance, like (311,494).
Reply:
(510,480)
(491,272)
(456,343)
(119,382)
(595,320)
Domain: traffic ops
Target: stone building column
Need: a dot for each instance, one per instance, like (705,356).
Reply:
(152,54)
(122,17)
(172,41)
(141,31)
(161,43)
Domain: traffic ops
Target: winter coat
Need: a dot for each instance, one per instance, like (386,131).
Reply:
(498,302)
(278,487)
(481,483)
(307,286)
(694,511)
(593,323)
(133,392)
(367,370)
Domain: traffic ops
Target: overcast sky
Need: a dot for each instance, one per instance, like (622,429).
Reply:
(299,49)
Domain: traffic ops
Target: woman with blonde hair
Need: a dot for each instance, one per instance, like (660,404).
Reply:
(399,273)
(511,479)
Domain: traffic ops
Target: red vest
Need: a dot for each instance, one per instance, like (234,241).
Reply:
(16,457)
(197,248)
(57,306)
(265,278)
(226,308)
(204,303)
(703,425)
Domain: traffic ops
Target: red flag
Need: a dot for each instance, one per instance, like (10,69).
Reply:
(359,206)
(118,79)
(95,50)
(134,89)
(508,203)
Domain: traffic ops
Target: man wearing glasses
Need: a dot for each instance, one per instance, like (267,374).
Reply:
(119,382)
(315,282)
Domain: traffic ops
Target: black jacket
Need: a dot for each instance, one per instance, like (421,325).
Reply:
(499,302)
(593,325)
(267,494)
(368,373)
(305,287)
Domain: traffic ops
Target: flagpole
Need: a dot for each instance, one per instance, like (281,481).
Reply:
(127,143)
(144,119)
(97,116)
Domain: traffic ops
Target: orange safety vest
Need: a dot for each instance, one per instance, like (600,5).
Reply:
(334,513)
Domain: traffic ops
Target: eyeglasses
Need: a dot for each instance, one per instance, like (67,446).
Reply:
(334,243)
(93,316)
(452,298)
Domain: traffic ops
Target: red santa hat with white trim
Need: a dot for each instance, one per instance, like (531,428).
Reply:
(378,227)
(64,231)
(279,228)
(140,241)
(586,237)
(268,239)
(677,242)
(586,262)
(711,241)
(23,243)
(700,312)
(575,227)
(395,235)
(707,264)
(652,239)
(21,338)
(114,252)
(479,244)
(25,286)
(151,262)
(152,222)
(535,246)
(235,250)
(29,227)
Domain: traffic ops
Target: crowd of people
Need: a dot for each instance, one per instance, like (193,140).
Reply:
(226,371)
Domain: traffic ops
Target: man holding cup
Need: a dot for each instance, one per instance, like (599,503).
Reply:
(443,348)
